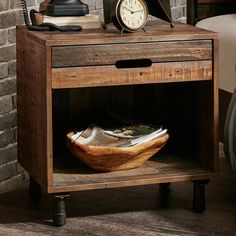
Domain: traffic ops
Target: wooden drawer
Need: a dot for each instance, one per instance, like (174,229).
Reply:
(165,51)
(131,63)
(93,76)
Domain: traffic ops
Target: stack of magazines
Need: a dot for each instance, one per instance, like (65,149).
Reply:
(120,137)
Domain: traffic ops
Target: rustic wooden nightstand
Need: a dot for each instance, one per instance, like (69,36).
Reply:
(164,76)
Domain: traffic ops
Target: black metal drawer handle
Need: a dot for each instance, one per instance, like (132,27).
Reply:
(136,63)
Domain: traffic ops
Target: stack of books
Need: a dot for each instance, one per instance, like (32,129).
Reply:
(88,21)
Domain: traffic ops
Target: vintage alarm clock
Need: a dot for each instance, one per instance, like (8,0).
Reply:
(129,15)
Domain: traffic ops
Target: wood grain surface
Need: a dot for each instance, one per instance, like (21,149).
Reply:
(88,55)
(189,108)
(132,211)
(71,175)
(33,99)
(93,76)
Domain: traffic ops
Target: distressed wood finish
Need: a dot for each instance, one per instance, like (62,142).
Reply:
(110,75)
(155,31)
(143,210)
(96,55)
(188,109)
(157,170)
(33,101)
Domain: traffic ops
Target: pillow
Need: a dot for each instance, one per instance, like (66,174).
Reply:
(225,25)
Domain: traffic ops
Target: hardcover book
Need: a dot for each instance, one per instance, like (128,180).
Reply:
(88,21)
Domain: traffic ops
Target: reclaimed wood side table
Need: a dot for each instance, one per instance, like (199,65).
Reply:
(165,75)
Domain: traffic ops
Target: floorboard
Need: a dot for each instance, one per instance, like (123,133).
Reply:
(130,211)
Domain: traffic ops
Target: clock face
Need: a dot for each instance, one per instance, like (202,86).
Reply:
(132,14)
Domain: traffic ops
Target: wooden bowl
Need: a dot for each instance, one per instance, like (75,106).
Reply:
(115,158)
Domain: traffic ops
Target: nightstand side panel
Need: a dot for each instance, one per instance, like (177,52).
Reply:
(32,117)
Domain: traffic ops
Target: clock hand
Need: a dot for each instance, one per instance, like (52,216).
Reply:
(137,11)
(132,12)
(128,9)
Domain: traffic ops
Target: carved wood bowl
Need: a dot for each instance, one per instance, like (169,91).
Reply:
(115,158)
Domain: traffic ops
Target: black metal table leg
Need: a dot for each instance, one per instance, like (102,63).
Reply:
(199,204)
(59,210)
(34,190)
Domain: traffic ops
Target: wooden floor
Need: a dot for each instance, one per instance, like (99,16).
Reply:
(129,211)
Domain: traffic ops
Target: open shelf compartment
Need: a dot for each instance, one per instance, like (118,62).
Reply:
(74,176)
(185,110)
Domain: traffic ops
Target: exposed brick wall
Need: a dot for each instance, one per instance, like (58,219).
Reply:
(178,10)
(11,15)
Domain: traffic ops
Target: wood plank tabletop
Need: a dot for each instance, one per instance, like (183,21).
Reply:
(156,30)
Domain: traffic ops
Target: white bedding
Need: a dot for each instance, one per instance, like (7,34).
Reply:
(225,25)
